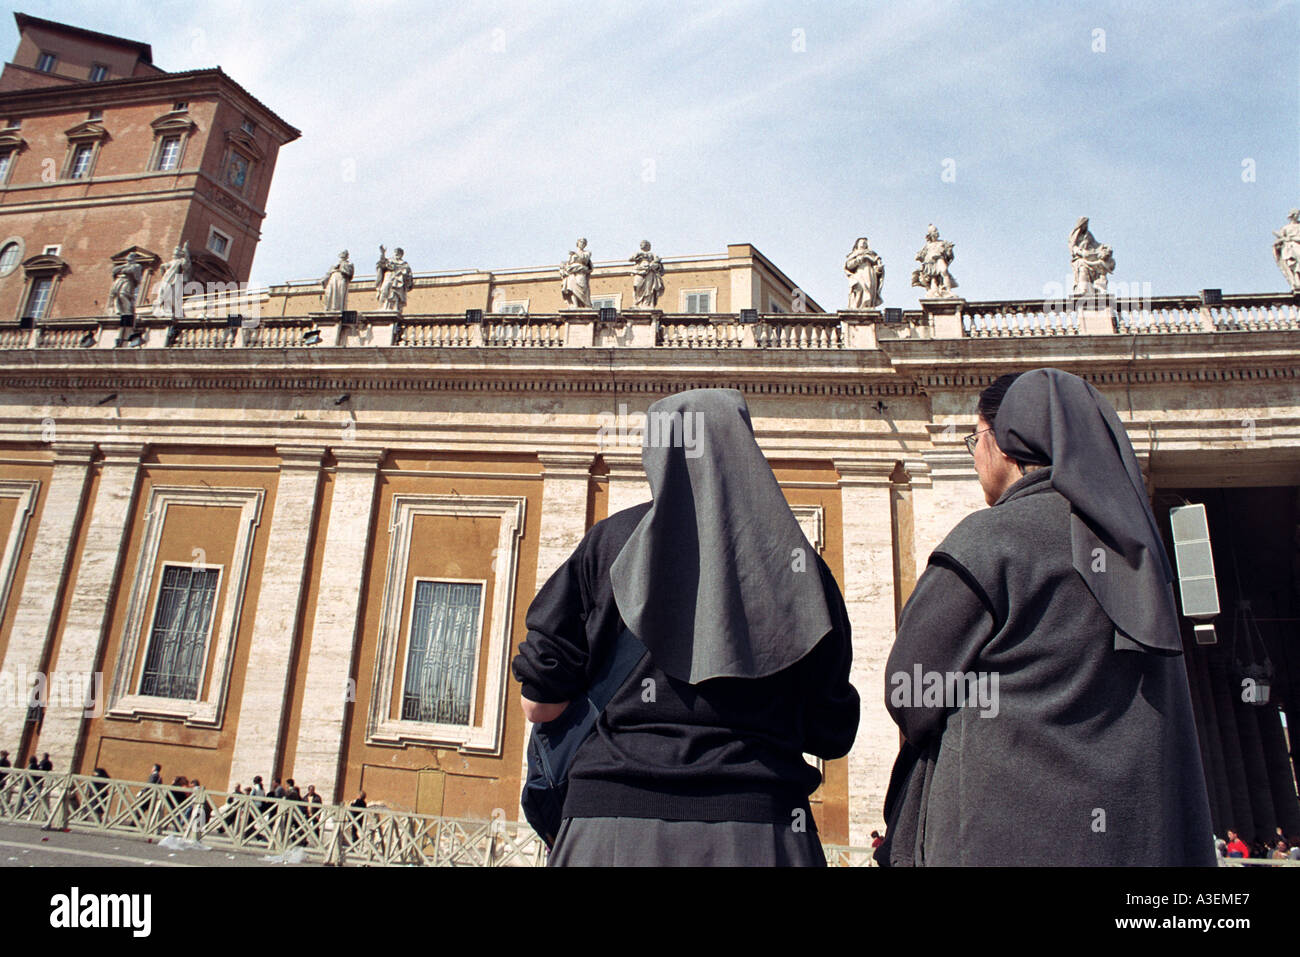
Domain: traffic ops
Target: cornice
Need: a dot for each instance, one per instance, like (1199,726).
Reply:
(1143,359)
(463,370)
(902,369)
(145,89)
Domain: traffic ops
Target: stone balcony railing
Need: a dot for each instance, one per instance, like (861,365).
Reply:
(865,329)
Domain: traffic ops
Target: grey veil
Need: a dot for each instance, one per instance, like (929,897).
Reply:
(717,580)
(1050,417)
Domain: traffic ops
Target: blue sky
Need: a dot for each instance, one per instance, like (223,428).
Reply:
(492,134)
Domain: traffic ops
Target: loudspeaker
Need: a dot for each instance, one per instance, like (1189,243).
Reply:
(749,315)
(1195,561)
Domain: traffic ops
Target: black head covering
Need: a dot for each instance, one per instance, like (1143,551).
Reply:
(711,580)
(1050,417)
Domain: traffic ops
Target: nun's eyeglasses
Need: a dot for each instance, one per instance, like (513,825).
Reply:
(973,439)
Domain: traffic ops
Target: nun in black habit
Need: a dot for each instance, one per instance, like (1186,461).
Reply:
(1037,674)
(698,758)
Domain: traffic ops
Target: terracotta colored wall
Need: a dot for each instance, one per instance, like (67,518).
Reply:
(472,785)
(126,748)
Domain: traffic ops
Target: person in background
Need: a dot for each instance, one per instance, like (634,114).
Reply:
(1235,847)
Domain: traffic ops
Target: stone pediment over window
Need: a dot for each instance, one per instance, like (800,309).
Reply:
(147,258)
(178,123)
(12,140)
(45,265)
(209,268)
(89,131)
(245,144)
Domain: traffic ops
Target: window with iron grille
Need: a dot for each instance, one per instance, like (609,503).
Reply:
(441,652)
(178,639)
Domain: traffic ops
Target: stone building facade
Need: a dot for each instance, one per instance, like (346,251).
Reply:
(228,534)
(319,489)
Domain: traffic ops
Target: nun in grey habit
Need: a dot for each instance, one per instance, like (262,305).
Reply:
(1037,673)
(698,758)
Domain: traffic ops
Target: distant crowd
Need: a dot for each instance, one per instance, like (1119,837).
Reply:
(1279,848)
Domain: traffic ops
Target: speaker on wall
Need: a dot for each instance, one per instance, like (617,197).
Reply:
(1195,561)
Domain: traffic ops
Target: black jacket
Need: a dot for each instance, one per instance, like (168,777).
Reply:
(725,749)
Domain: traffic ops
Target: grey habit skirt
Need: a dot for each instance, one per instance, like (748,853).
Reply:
(648,842)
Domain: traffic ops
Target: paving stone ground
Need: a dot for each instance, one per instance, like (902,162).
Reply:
(29,846)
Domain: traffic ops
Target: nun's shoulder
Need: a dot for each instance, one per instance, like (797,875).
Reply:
(615,530)
(1036,519)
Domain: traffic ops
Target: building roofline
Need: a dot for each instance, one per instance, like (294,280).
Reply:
(52,98)
(772,268)
(144,49)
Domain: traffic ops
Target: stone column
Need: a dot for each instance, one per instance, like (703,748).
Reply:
(337,624)
(264,706)
(869,594)
(563,523)
(952,492)
(564,508)
(627,481)
(47,571)
(88,605)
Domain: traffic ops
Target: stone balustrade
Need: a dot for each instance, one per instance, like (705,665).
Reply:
(865,329)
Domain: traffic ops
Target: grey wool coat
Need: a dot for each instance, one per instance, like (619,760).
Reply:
(1030,739)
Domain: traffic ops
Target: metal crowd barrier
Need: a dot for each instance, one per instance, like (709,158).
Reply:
(325,833)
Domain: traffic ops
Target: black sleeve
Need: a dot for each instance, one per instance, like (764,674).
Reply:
(832,709)
(943,628)
(552,661)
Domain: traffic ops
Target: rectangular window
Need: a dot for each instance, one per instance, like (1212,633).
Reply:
(180,106)
(248,126)
(169,153)
(45,62)
(604,302)
(95,115)
(81,161)
(6,162)
(218,242)
(775,307)
(14,124)
(700,300)
(442,652)
(38,299)
(98,73)
(178,639)
(518,307)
